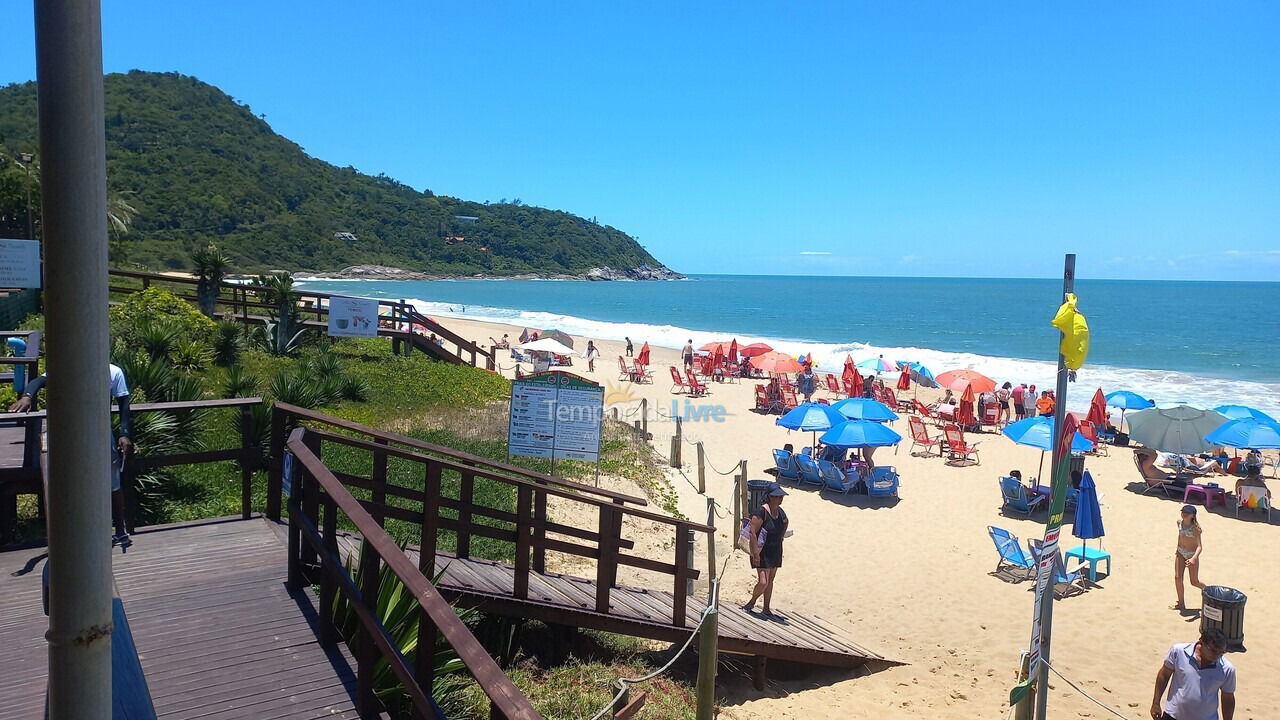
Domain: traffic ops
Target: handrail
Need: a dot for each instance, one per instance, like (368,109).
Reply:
(506,699)
(459,455)
(153,407)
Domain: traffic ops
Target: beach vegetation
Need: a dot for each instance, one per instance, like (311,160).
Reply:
(210,267)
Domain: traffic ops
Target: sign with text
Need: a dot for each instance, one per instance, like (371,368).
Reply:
(555,415)
(19,263)
(353,317)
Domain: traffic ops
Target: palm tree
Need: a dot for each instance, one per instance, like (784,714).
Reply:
(211,269)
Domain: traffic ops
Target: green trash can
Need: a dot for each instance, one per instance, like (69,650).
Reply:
(757,495)
(1223,608)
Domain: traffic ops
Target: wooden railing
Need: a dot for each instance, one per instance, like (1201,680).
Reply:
(314,487)
(248,453)
(245,302)
(527,528)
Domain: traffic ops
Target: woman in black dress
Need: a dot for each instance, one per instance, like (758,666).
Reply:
(766,557)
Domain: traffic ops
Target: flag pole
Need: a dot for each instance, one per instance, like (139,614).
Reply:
(1059,467)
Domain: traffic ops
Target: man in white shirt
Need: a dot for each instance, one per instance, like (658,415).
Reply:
(1196,673)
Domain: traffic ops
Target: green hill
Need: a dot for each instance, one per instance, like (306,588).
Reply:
(199,167)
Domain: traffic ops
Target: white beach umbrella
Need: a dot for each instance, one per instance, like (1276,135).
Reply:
(1175,428)
(550,345)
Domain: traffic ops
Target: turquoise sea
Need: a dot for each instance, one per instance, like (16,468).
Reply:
(1205,343)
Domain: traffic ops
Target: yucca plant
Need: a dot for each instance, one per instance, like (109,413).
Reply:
(191,356)
(294,389)
(187,388)
(240,383)
(228,343)
(158,338)
(398,611)
(355,389)
(210,267)
(154,434)
(146,374)
(328,389)
(324,364)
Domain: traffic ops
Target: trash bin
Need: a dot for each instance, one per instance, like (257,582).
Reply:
(757,494)
(1223,608)
(1077,464)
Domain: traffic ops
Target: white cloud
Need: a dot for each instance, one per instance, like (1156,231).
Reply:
(814,252)
(910,258)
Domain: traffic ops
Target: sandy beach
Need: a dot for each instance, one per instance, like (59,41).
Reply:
(913,579)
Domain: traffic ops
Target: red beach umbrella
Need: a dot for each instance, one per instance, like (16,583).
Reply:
(850,370)
(1098,409)
(964,413)
(958,380)
(733,352)
(754,349)
(643,357)
(776,362)
(718,346)
(904,380)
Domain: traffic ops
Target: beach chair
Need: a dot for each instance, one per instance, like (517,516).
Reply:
(924,412)
(893,403)
(883,482)
(678,385)
(1154,477)
(920,437)
(849,389)
(624,372)
(787,395)
(696,388)
(1090,433)
(809,471)
(1011,552)
(785,464)
(1015,497)
(640,373)
(1253,497)
(762,399)
(990,415)
(1067,581)
(833,385)
(833,479)
(958,449)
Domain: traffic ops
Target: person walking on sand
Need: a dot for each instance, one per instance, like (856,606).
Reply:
(1019,397)
(806,383)
(630,348)
(1002,397)
(592,353)
(1188,553)
(687,353)
(766,558)
(1196,674)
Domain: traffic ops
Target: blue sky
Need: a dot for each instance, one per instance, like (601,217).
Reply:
(907,138)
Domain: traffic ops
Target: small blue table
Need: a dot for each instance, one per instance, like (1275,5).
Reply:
(1092,556)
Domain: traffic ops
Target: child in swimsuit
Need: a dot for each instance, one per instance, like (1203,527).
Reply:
(1188,553)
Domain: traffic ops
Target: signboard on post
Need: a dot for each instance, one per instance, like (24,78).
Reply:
(555,415)
(19,263)
(353,317)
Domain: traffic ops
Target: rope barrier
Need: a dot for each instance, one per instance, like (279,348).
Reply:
(1082,692)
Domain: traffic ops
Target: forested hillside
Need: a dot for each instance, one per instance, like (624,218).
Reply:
(199,167)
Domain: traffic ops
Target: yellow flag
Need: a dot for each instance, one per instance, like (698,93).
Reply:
(1075,333)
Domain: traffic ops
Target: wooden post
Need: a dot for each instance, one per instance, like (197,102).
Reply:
(737,503)
(249,454)
(644,417)
(638,432)
(328,583)
(689,562)
(614,410)
(274,480)
(365,651)
(759,671)
(675,451)
(424,662)
(707,660)
(466,490)
(711,549)
(742,489)
(702,470)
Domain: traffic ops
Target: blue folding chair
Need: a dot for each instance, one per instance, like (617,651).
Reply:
(809,471)
(1065,582)
(786,465)
(1011,553)
(833,479)
(1016,499)
(883,482)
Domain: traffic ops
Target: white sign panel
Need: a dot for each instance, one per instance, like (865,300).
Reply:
(19,263)
(353,317)
(556,415)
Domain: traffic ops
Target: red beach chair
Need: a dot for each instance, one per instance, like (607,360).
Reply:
(990,414)
(833,385)
(624,373)
(640,373)
(788,395)
(920,437)
(763,404)
(1090,432)
(678,385)
(849,390)
(958,449)
(891,400)
(696,388)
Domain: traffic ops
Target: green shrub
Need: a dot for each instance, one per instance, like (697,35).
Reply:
(291,388)
(355,389)
(191,356)
(228,343)
(152,304)
(240,383)
(158,338)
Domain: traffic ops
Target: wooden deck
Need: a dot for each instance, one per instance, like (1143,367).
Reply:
(218,635)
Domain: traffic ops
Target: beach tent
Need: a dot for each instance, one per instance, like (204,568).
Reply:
(547,344)
(958,380)
(1175,428)
(643,357)
(1245,433)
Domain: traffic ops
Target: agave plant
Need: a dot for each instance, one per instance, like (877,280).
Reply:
(228,343)
(191,356)
(398,612)
(355,389)
(281,338)
(147,377)
(294,389)
(324,364)
(240,383)
(158,338)
(210,266)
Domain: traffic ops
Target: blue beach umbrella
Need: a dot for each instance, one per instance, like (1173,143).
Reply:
(922,375)
(1038,432)
(1127,400)
(861,434)
(876,365)
(1088,522)
(1240,412)
(810,417)
(1245,433)
(864,409)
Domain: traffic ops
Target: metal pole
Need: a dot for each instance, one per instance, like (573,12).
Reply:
(74,197)
(1059,424)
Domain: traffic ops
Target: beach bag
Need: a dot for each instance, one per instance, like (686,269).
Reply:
(744,536)
(1122,440)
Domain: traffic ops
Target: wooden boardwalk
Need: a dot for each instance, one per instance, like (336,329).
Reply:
(218,635)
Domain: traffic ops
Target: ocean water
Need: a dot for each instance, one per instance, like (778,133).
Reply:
(1204,343)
